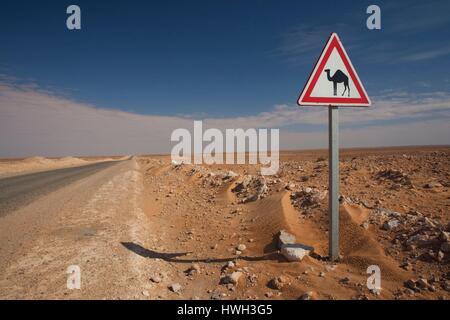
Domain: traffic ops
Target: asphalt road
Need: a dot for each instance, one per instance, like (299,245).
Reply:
(18,191)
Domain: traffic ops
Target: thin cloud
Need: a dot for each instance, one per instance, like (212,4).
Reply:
(416,16)
(390,107)
(298,44)
(430,132)
(427,54)
(392,45)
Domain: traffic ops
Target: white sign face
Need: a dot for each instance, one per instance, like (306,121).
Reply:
(334,80)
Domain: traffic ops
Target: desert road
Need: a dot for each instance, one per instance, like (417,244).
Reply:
(73,216)
(20,190)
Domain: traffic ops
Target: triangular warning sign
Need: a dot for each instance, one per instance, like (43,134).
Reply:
(334,80)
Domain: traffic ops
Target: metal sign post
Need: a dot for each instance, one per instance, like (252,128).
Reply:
(333,182)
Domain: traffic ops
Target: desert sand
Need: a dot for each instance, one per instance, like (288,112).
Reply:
(394,214)
(146,228)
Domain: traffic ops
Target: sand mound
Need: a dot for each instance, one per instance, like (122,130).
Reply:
(275,213)
(38,163)
(71,161)
(359,246)
(357,213)
(37,160)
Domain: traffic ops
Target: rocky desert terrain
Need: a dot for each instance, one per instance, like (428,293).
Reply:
(148,228)
(218,227)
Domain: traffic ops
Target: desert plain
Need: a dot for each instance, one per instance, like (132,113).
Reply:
(144,227)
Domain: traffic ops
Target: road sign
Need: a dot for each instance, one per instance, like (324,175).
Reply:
(334,80)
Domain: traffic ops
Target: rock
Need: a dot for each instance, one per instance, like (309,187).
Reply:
(395,176)
(444,236)
(307,198)
(344,280)
(230,175)
(375,291)
(290,186)
(285,238)
(193,269)
(241,247)
(156,279)
(230,264)
(411,284)
(175,287)
(418,239)
(446,286)
(304,178)
(445,247)
(145,293)
(295,252)
(407,266)
(322,274)
(433,184)
(396,186)
(231,278)
(390,225)
(216,296)
(430,223)
(251,198)
(253,278)
(251,188)
(278,283)
(422,283)
(307,296)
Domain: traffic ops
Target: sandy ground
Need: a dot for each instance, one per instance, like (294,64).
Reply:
(148,229)
(201,222)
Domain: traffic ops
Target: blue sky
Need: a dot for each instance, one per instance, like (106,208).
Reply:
(218,58)
(224,59)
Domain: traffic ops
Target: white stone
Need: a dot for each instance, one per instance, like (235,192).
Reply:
(241,247)
(232,278)
(175,287)
(285,238)
(295,252)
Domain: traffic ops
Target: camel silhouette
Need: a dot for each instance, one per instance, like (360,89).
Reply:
(338,77)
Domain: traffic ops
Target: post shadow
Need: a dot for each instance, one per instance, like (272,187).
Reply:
(174,257)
